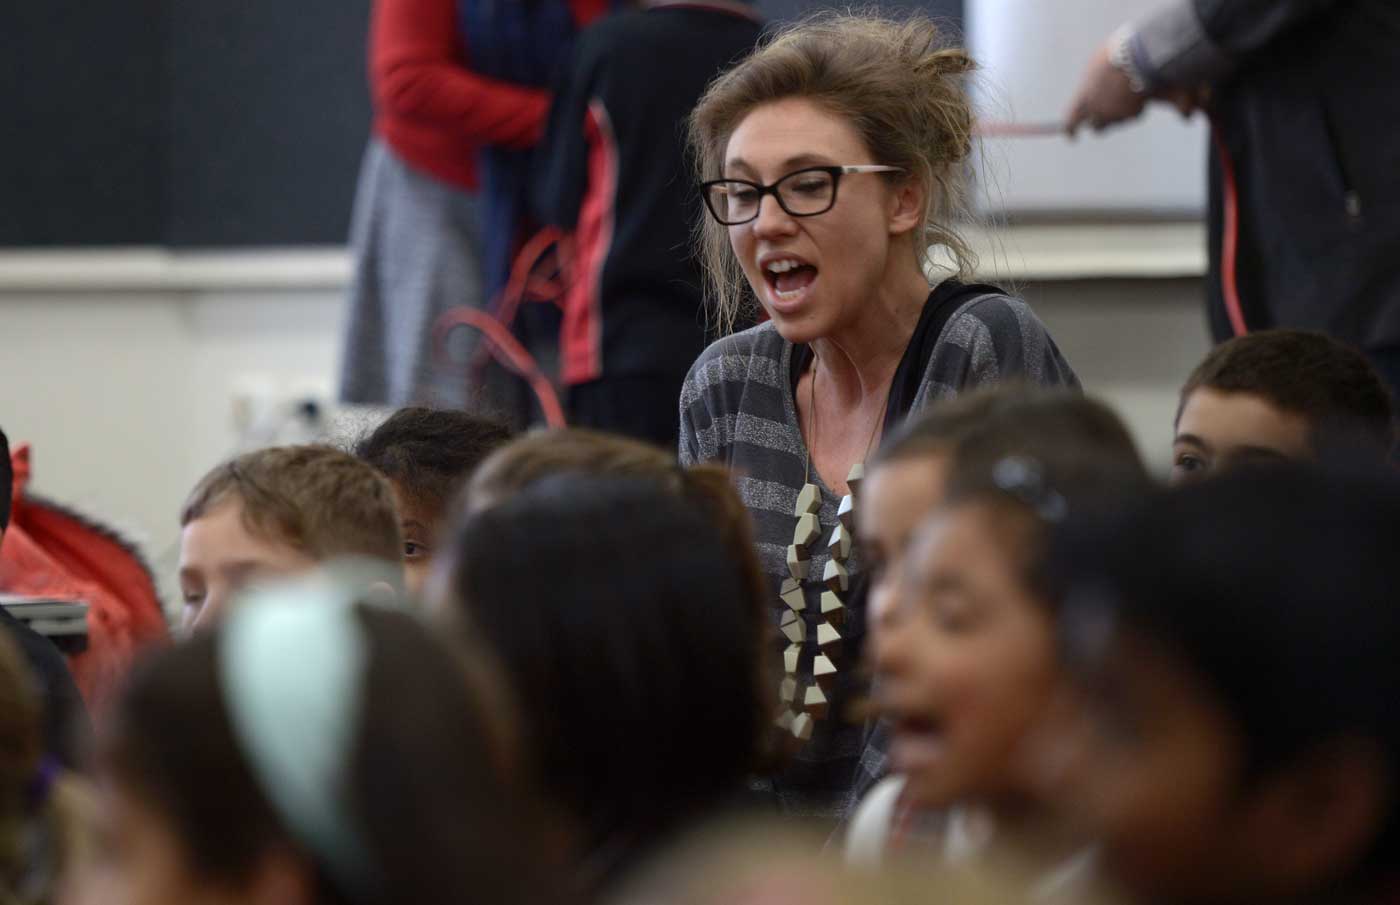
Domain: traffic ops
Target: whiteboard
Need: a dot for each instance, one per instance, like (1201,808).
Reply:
(1033,53)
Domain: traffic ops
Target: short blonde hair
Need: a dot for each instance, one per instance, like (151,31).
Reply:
(897,82)
(316,499)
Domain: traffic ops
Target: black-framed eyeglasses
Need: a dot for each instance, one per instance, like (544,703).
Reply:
(803,193)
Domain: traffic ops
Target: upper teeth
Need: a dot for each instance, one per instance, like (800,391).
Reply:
(784,266)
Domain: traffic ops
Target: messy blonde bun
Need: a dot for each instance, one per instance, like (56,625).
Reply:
(896,81)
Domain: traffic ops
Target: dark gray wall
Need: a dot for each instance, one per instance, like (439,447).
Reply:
(81,145)
(195,124)
(269,112)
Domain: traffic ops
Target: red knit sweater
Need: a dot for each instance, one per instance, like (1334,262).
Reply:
(433,110)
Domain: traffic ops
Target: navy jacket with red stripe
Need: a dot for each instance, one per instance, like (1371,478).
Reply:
(612,171)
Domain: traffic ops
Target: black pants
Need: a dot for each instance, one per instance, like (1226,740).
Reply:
(644,408)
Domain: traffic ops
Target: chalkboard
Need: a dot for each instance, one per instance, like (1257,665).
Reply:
(81,150)
(208,123)
(269,113)
(212,123)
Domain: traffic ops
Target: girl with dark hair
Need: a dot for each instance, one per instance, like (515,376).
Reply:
(428,455)
(314,750)
(964,653)
(634,643)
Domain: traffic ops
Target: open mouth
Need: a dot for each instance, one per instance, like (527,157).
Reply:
(788,277)
(917,742)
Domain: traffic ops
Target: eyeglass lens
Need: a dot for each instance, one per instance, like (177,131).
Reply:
(801,194)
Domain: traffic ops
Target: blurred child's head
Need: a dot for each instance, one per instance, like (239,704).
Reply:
(1234,647)
(428,455)
(311,750)
(966,659)
(534,457)
(633,637)
(1281,394)
(7,478)
(278,512)
(906,481)
(21,741)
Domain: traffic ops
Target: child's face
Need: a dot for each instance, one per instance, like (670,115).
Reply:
(219,557)
(966,663)
(1144,759)
(895,500)
(422,530)
(1217,431)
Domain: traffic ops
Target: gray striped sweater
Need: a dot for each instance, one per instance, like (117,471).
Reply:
(737,410)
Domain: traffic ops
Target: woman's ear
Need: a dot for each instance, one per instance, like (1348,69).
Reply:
(1319,816)
(906,209)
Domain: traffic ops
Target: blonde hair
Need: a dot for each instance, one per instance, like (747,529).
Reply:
(316,499)
(897,82)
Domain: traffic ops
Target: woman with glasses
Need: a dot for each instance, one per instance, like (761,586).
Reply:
(831,162)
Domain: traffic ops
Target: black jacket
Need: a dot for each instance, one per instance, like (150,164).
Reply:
(612,170)
(1306,99)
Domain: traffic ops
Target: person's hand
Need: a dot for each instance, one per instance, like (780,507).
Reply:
(1105,97)
(1187,100)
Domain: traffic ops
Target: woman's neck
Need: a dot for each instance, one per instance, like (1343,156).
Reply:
(859,360)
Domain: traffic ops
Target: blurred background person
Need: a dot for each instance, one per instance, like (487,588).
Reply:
(611,171)
(459,92)
(1304,203)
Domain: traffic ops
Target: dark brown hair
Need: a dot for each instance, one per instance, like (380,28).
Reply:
(578,451)
(429,454)
(1039,458)
(7,478)
(937,429)
(426,787)
(21,745)
(317,499)
(1347,405)
(896,81)
(635,645)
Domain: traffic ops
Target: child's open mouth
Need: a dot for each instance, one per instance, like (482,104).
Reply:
(918,743)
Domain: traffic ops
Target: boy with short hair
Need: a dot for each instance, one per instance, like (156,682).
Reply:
(278,512)
(1234,737)
(1281,394)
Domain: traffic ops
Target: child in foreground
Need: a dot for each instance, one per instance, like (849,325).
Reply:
(313,750)
(278,512)
(629,619)
(428,455)
(1234,736)
(1281,395)
(964,658)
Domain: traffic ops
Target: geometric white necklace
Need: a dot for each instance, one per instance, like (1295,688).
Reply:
(804,702)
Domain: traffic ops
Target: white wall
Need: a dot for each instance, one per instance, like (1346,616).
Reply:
(127,393)
(127,396)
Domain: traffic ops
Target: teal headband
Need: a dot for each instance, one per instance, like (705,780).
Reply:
(291,664)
